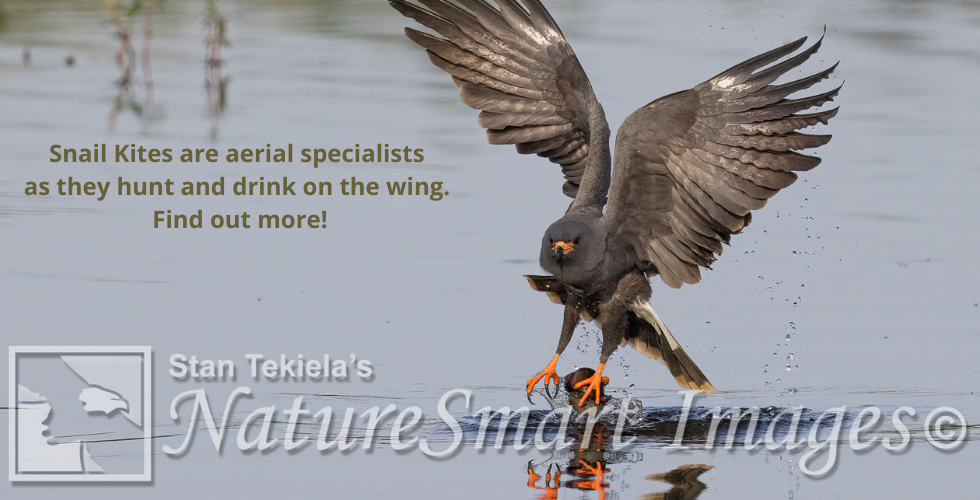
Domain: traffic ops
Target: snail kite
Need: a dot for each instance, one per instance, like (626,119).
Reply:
(689,167)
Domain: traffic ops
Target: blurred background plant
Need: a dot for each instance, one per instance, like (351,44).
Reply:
(216,85)
(123,18)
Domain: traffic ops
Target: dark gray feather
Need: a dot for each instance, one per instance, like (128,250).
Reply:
(512,63)
(726,146)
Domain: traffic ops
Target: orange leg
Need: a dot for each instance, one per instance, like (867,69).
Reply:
(598,471)
(551,491)
(550,488)
(557,484)
(594,382)
(596,484)
(532,478)
(548,374)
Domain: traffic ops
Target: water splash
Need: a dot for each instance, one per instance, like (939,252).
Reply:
(610,411)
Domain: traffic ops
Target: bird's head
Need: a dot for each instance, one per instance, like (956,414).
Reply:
(570,246)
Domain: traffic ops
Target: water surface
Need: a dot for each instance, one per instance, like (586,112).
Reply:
(859,277)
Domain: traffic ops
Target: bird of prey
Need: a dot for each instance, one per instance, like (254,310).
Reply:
(688,168)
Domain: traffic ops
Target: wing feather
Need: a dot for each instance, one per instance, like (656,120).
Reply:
(466,32)
(460,72)
(777,126)
(716,152)
(513,64)
(500,121)
(780,109)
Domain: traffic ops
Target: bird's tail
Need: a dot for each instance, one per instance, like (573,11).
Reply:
(653,340)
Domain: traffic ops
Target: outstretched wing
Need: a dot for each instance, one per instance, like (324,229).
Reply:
(515,66)
(692,165)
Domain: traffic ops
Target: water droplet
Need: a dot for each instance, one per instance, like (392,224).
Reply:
(794,253)
(788,368)
(778,380)
(787,338)
(791,357)
(768,384)
(792,325)
(793,391)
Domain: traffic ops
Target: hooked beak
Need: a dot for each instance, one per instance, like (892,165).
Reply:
(561,248)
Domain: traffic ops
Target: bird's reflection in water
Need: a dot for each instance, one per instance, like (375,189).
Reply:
(588,477)
(551,485)
(587,467)
(684,481)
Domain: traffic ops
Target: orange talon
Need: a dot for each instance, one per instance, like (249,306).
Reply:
(557,479)
(548,374)
(532,478)
(594,382)
(598,471)
(596,484)
(550,489)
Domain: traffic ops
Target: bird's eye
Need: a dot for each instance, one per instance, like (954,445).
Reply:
(575,241)
(551,241)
